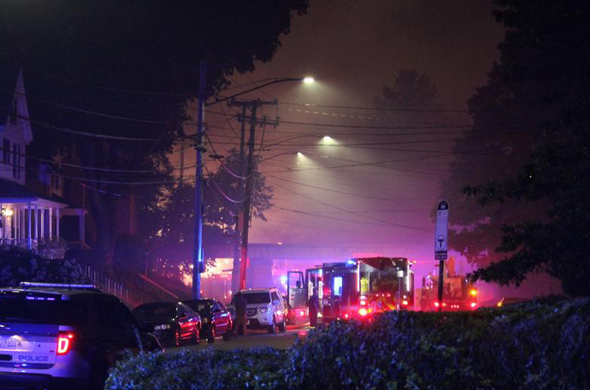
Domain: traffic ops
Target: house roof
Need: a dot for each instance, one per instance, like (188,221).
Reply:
(8,77)
(11,192)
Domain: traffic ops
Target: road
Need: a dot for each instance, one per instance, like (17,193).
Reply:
(253,339)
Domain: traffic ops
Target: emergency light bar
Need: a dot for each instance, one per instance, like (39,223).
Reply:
(58,285)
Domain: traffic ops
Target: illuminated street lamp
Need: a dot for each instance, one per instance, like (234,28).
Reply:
(200,148)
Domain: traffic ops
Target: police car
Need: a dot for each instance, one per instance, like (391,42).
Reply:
(63,336)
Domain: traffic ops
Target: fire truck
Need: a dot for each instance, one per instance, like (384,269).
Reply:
(356,288)
(458,292)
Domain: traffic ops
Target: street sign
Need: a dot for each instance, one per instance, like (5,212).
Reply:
(440,233)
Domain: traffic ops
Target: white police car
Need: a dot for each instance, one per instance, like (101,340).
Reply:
(63,336)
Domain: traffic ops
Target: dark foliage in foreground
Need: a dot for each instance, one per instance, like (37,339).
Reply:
(537,345)
(20,265)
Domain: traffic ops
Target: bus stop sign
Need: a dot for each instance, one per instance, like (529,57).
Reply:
(440,233)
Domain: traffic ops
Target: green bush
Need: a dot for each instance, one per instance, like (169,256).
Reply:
(537,345)
(20,265)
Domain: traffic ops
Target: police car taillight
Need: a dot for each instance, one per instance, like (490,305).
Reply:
(65,340)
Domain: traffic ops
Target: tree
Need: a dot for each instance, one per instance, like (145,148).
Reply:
(172,222)
(411,91)
(123,69)
(541,78)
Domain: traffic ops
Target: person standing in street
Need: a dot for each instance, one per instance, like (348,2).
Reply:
(313,305)
(241,317)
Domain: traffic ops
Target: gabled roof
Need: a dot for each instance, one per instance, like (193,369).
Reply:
(8,77)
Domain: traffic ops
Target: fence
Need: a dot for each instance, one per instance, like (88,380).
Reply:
(107,284)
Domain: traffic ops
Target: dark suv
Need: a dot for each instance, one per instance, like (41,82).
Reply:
(63,336)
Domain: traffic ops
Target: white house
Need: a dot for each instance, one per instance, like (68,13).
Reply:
(27,218)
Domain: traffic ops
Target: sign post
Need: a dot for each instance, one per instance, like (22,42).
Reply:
(440,245)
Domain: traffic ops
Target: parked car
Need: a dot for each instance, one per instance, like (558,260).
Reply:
(173,323)
(265,309)
(64,336)
(215,317)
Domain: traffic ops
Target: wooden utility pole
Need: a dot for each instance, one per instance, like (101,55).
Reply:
(198,265)
(253,105)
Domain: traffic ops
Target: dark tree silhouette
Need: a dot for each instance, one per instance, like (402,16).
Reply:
(539,88)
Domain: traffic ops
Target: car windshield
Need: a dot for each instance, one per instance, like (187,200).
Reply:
(259,297)
(42,309)
(199,305)
(155,311)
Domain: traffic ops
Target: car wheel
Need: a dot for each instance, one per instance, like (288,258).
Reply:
(282,326)
(211,336)
(227,334)
(273,327)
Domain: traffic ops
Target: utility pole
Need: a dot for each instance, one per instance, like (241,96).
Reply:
(182,161)
(235,278)
(200,149)
(255,104)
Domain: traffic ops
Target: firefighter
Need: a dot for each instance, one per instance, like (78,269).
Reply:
(241,317)
(314,305)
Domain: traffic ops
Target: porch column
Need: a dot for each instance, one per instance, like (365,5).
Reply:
(50,223)
(16,220)
(57,216)
(37,223)
(42,223)
(23,224)
(30,238)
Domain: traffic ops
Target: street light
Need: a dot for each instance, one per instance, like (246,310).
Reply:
(306,80)
(200,149)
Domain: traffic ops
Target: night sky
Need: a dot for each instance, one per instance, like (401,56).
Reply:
(353,49)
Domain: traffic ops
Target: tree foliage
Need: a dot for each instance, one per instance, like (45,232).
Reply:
(126,69)
(410,91)
(172,224)
(541,81)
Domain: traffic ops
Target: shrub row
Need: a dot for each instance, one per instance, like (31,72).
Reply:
(21,265)
(537,345)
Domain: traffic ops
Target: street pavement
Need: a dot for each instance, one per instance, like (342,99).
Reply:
(253,339)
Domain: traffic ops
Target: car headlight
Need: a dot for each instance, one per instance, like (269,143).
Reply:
(262,309)
(205,320)
(162,327)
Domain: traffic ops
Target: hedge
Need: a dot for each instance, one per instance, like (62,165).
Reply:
(21,265)
(537,345)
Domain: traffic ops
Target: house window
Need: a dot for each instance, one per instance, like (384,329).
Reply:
(6,151)
(16,161)
(12,113)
